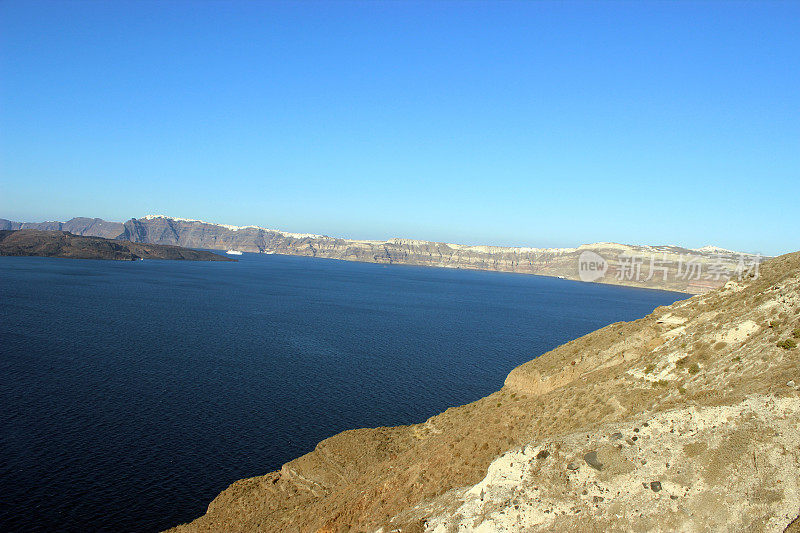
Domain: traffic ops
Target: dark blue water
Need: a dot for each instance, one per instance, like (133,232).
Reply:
(132,393)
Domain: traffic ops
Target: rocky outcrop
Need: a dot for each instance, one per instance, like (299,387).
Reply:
(655,267)
(32,242)
(684,420)
(710,468)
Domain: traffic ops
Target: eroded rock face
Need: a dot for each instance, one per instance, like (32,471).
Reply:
(721,468)
(690,432)
(558,262)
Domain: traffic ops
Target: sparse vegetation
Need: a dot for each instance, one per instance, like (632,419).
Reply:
(796,333)
(786,344)
(694,368)
(649,368)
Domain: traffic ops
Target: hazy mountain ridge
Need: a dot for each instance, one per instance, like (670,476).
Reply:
(558,262)
(685,420)
(54,243)
(91,227)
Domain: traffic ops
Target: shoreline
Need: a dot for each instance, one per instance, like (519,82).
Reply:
(630,285)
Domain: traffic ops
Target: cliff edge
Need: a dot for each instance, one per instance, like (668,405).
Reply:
(686,419)
(667,267)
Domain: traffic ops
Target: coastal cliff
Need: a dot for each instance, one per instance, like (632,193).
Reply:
(687,419)
(655,267)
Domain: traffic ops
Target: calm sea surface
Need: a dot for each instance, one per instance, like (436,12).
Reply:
(132,393)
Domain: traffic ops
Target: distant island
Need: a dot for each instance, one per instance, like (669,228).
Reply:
(32,242)
(665,267)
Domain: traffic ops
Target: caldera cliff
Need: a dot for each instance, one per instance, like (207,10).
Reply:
(655,267)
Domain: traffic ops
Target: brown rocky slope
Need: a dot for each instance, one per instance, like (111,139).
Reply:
(686,419)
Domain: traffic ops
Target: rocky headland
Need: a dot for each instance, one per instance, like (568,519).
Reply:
(655,267)
(55,243)
(685,420)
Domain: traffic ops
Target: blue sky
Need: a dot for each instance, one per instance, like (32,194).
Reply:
(530,123)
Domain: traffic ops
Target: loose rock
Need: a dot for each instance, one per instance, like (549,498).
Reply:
(544,454)
(592,460)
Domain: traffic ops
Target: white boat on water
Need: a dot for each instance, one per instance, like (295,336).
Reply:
(233,252)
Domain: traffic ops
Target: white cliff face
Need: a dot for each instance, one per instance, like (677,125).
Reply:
(724,468)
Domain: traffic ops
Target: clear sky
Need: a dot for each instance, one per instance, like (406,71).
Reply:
(529,123)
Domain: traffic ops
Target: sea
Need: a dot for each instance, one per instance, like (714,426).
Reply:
(132,393)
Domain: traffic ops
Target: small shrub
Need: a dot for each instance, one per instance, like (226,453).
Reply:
(736,359)
(660,383)
(720,345)
(774,324)
(681,390)
(694,368)
(796,333)
(787,344)
(649,368)
(682,361)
